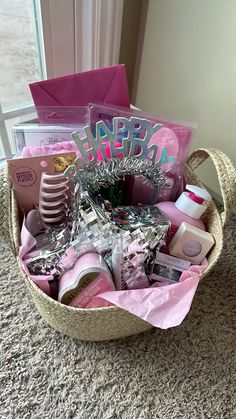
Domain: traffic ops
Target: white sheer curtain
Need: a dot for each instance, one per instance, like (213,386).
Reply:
(73,36)
(80,35)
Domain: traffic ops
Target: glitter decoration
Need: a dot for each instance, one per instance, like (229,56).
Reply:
(89,221)
(131,217)
(128,137)
(137,131)
(107,173)
(87,226)
(90,226)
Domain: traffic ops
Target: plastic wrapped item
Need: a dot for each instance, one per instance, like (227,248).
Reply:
(167,270)
(36,140)
(25,174)
(108,84)
(173,141)
(63,115)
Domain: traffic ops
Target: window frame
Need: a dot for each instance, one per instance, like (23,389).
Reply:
(67,26)
(28,109)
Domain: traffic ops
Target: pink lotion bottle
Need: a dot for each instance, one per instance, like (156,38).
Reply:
(189,208)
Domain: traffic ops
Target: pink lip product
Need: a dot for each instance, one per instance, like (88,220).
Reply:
(86,269)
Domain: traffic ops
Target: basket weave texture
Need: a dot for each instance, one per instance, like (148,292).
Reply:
(113,322)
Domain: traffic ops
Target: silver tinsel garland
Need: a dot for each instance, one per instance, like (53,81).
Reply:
(107,173)
(76,229)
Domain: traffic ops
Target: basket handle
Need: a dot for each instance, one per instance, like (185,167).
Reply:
(224,167)
(8,211)
(226,175)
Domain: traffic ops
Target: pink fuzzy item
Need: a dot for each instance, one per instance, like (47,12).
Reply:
(62,147)
(45,149)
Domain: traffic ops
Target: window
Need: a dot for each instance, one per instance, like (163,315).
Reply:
(54,36)
(21,62)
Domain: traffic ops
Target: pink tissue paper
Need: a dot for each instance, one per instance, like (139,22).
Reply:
(162,307)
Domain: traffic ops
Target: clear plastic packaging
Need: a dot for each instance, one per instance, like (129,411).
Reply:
(173,140)
(108,84)
(65,115)
(33,138)
(26,173)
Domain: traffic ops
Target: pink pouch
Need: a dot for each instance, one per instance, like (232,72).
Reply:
(108,85)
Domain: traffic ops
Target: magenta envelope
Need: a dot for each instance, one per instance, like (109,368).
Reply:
(107,85)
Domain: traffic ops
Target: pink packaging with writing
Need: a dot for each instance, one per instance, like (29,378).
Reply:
(86,270)
(86,297)
(26,173)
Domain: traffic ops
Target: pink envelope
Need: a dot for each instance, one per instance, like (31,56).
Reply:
(107,85)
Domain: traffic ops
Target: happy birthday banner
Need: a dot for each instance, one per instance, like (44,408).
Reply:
(134,135)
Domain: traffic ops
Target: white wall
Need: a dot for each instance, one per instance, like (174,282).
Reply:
(188,70)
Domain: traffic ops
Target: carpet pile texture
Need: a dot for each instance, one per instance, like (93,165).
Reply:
(185,372)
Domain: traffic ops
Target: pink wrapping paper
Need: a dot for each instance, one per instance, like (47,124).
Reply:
(162,307)
(28,242)
(105,85)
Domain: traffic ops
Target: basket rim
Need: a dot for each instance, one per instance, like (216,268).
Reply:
(58,303)
(68,308)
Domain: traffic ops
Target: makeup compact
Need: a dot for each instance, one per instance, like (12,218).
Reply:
(191,243)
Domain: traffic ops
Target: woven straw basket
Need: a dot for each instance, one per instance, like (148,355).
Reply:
(112,322)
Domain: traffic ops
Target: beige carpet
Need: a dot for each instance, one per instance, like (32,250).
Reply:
(187,372)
